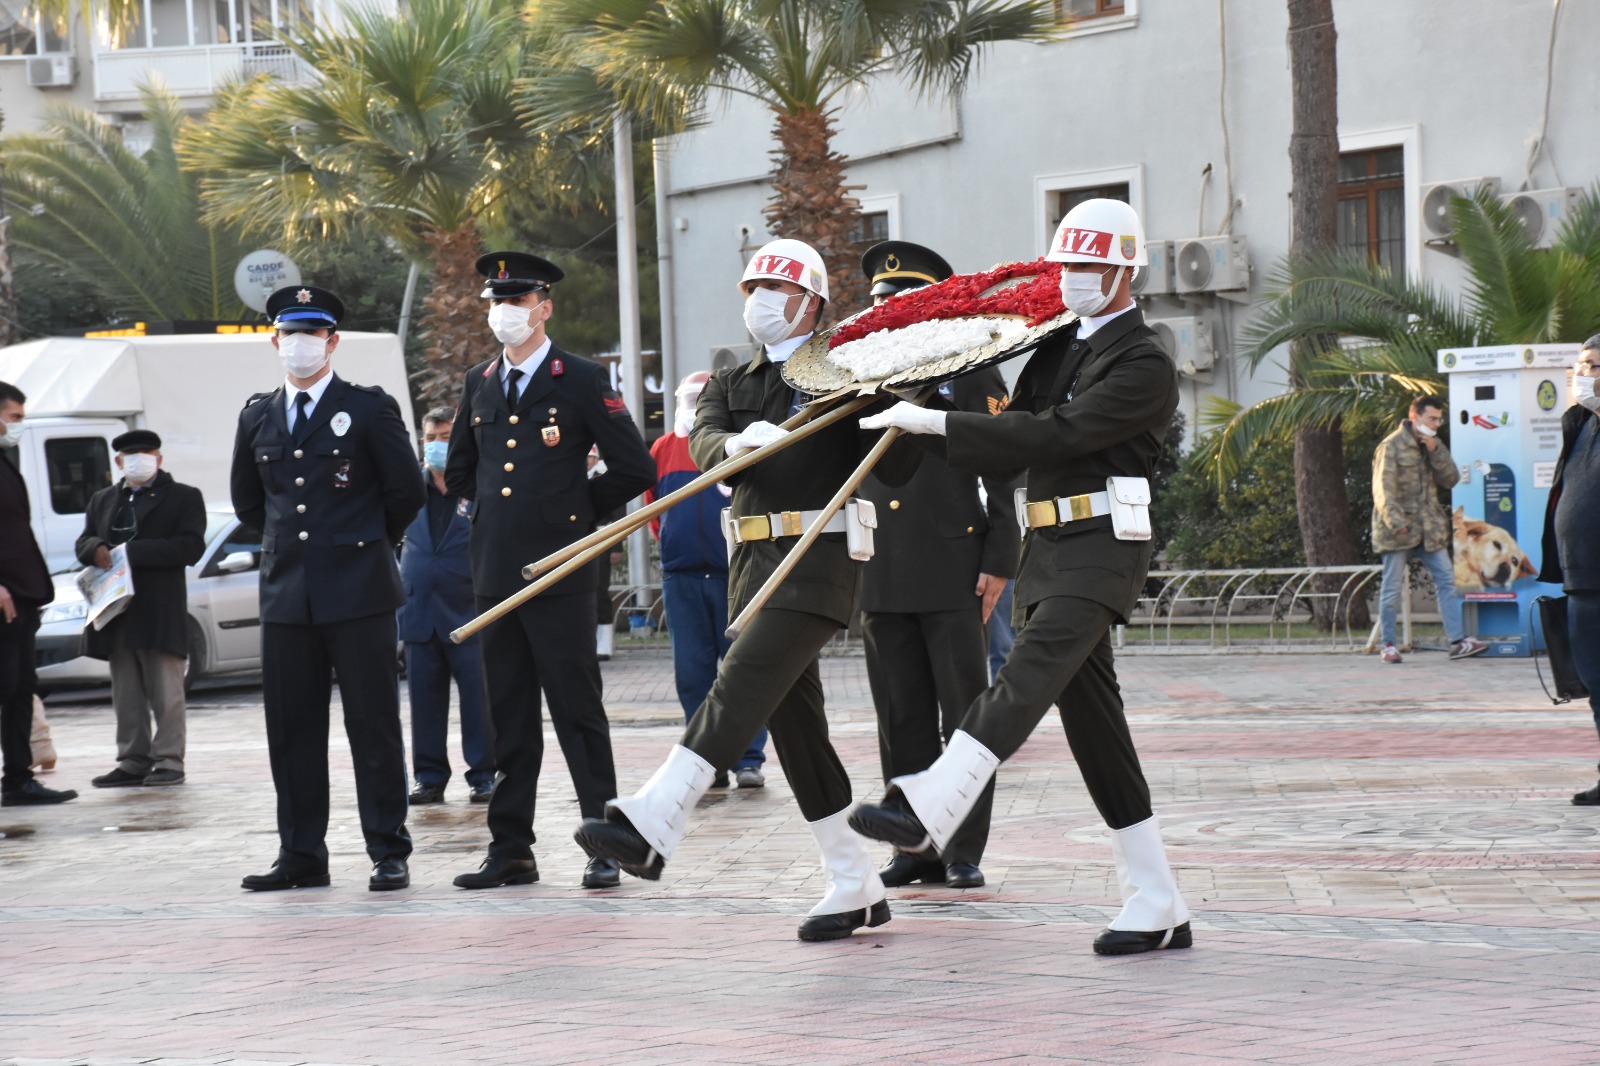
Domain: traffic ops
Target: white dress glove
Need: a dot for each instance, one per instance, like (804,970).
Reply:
(755,435)
(909,417)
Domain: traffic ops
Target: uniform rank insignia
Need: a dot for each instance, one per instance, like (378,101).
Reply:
(340,423)
(341,474)
(556,369)
(998,403)
(616,406)
(551,435)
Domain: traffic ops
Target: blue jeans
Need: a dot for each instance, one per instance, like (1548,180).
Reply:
(697,612)
(429,667)
(1583,633)
(1001,635)
(1444,582)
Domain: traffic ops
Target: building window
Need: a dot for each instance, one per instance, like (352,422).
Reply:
(1064,200)
(1372,206)
(870,228)
(1081,10)
(28,35)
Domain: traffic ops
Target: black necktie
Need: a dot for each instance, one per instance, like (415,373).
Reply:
(302,400)
(511,388)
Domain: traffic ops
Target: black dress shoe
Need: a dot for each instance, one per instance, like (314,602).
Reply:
(117,778)
(389,875)
(481,793)
(602,873)
(497,871)
(1590,798)
(904,869)
(426,794)
(1134,942)
(163,778)
(34,794)
(720,779)
(891,822)
(839,926)
(277,879)
(964,875)
(614,838)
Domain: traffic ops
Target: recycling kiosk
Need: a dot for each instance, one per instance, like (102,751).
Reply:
(1505,414)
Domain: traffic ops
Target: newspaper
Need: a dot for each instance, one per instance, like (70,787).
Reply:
(108,592)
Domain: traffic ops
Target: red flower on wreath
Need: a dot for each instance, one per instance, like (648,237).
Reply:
(962,295)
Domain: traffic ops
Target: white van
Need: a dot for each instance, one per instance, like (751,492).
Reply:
(84,391)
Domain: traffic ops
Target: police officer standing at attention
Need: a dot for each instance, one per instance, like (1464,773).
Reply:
(325,470)
(1088,420)
(520,448)
(943,559)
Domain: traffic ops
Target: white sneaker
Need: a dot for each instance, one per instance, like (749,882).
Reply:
(751,777)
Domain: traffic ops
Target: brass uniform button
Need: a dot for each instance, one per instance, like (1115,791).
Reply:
(894,505)
(572,518)
(969,529)
(299,481)
(511,444)
(300,508)
(510,467)
(304,535)
(476,419)
(506,491)
(513,420)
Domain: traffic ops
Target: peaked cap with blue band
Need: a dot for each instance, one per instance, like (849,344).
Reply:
(302,307)
(515,273)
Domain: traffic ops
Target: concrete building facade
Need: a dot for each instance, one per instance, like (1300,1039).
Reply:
(1170,103)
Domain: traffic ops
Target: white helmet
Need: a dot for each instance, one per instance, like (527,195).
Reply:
(787,259)
(1100,231)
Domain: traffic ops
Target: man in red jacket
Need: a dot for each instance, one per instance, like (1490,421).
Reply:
(24,588)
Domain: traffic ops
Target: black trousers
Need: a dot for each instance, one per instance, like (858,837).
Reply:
(546,645)
(925,670)
(17,684)
(1063,656)
(770,678)
(297,667)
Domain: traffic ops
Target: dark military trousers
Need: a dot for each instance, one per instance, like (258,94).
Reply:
(770,678)
(298,663)
(925,671)
(547,645)
(1063,656)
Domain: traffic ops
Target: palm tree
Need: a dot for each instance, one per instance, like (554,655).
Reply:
(410,129)
(663,62)
(125,227)
(1376,335)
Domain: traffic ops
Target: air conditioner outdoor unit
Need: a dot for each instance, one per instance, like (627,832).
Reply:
(1541,212)
(1155,279)
(46,72)
(728,356)
(1210,264)
(1436,213)
(1188,341)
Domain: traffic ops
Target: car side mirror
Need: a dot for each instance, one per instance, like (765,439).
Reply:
(237,562)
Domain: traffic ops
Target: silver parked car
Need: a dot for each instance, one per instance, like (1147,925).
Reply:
(224,613)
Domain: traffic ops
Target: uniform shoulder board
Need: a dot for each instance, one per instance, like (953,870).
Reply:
(378,389)
(256,398)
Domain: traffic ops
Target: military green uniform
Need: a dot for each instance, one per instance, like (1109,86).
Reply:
(922,621)
(770,676)
(1083,411)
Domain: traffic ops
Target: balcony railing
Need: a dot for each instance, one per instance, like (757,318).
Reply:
(197,71)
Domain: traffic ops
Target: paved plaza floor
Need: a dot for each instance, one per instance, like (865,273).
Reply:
(1382,861)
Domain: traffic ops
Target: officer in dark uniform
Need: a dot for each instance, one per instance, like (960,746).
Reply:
(944,556)
(326,471)
(770,676)
(523,431)
(1088,421)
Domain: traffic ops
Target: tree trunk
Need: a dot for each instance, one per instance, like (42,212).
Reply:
(1324,510)
(10,332)
(810,201)
(453,323)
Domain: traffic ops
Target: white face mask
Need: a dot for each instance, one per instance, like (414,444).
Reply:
(303,354)
(683,412)
(1424,430)
(13,434)
(511,324)
(1080,291)
(139,467)
(1583,393)
(763,315)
